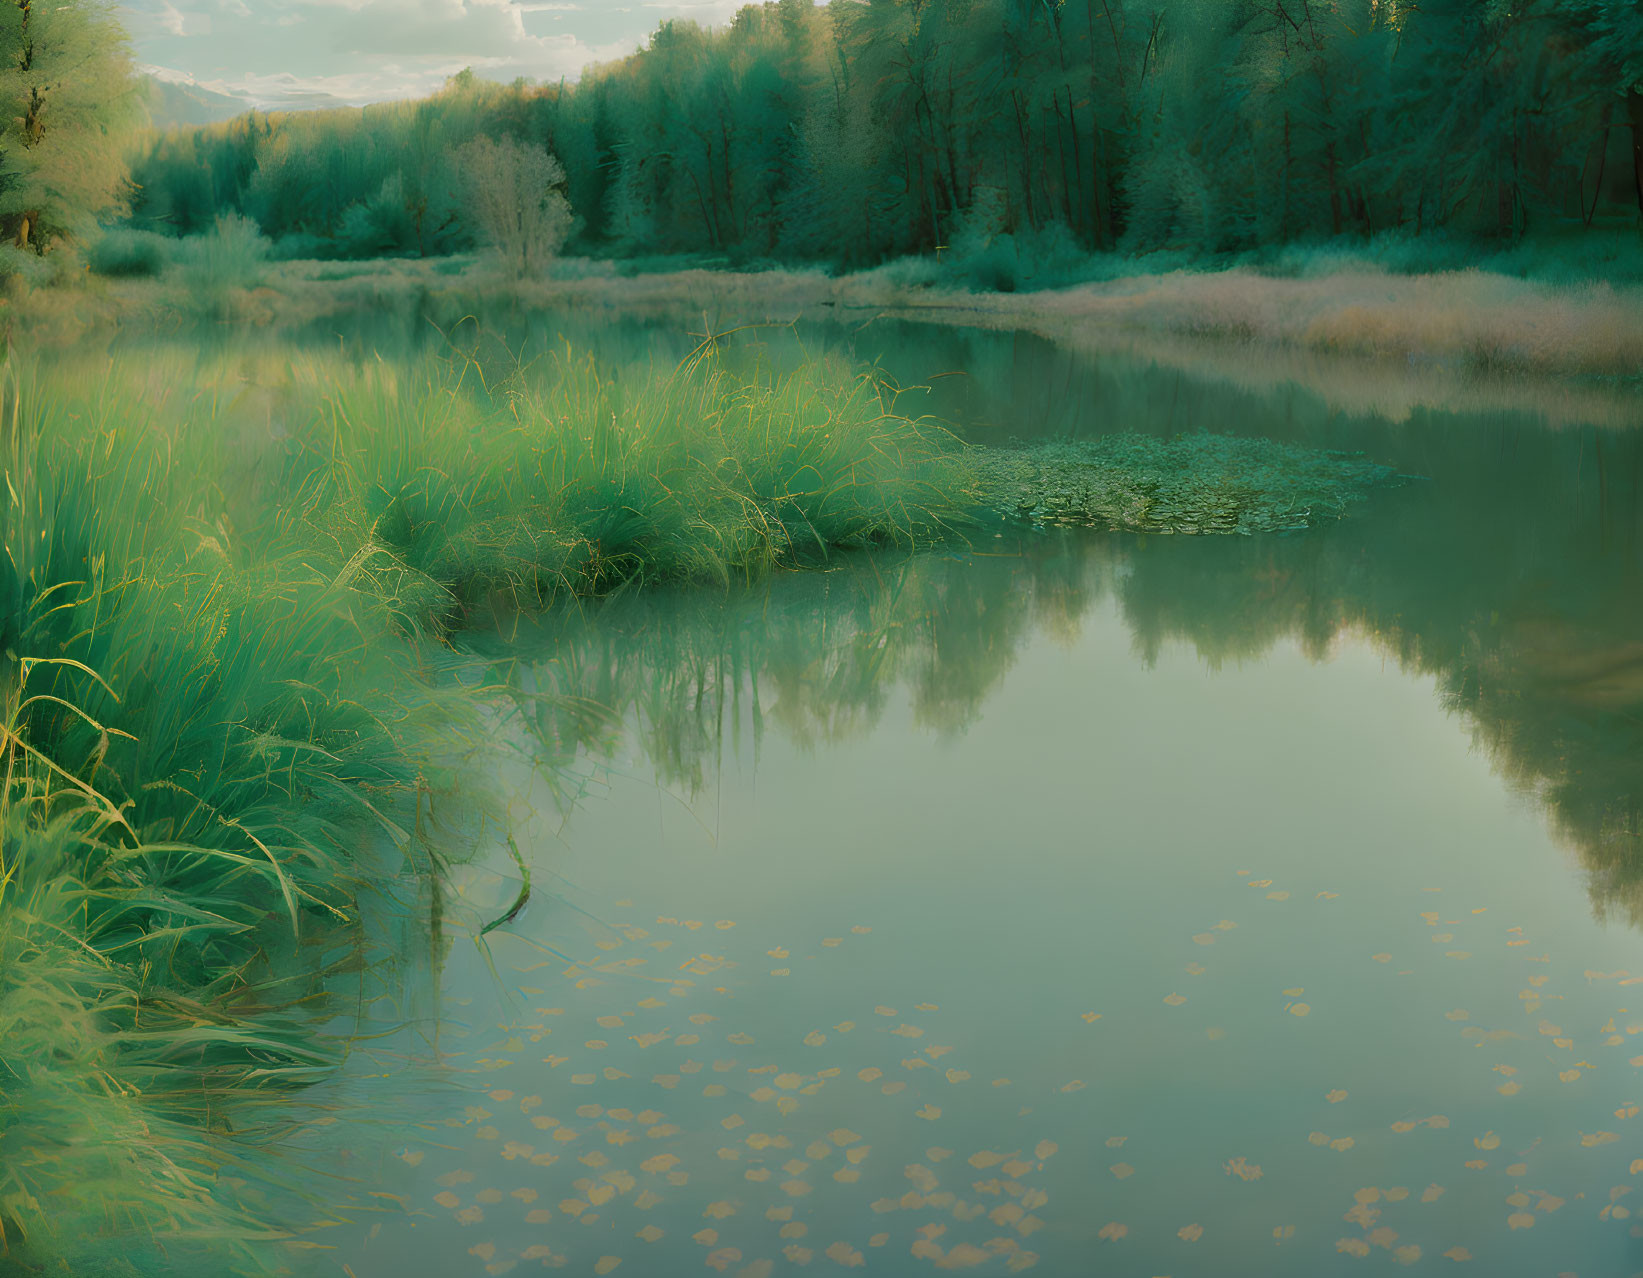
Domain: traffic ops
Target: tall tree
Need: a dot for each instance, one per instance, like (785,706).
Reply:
(68,100)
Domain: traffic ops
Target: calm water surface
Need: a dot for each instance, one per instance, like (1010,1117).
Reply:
(1090,905)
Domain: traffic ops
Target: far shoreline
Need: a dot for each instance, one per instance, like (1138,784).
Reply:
(1573,349)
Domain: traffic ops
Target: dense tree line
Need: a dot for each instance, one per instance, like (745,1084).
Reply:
(859,130)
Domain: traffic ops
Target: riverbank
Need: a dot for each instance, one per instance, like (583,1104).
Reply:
(232,709)
(1461,321)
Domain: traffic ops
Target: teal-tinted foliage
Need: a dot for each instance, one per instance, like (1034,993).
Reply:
(1005,131)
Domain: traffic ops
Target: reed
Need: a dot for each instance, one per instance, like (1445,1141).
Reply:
(227,611)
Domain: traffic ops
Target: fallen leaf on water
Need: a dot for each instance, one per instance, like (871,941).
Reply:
(1175,1000)
(1190,1233)
(1113,1232)
(1335,1097)
(1520,1220)
(1298,1009)
(1353,1247)
(1122,1170)
(1457,1254)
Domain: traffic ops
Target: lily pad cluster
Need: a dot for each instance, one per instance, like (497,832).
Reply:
(1191,484)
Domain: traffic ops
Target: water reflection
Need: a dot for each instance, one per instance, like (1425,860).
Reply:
(1027,943)
(1510,575)
(1077,902)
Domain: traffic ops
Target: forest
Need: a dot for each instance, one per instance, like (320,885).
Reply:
(859,131)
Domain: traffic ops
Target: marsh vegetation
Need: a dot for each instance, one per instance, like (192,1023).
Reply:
(388,487)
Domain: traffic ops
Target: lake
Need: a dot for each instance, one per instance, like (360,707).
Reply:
(1074,902)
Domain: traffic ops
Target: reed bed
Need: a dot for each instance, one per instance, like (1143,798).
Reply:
(228,605)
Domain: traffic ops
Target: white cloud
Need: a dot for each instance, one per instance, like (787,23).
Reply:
(296,52)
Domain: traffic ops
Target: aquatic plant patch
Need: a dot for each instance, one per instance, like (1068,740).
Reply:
(1189,484)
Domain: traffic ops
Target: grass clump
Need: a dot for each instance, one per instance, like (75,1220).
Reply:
(447,493)
(1189,484)
(205,752)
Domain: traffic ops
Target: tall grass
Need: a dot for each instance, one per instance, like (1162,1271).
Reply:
(222,614)
(449,491)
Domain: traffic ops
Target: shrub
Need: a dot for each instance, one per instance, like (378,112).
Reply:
(127,253)
(232,255)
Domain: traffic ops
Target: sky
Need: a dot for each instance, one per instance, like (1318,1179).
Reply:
(288,53)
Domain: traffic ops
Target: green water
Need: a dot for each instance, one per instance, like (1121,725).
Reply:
(1090,904)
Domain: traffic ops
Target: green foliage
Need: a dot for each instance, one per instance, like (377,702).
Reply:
(125,252)
(217,263)
(67,101)
(567,480)
(854,133)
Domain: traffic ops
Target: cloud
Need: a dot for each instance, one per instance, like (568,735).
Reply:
(295,52)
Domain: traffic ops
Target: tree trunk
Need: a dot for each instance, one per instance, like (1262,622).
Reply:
(1634,114)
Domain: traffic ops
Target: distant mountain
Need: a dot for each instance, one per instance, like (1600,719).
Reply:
(172,103)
